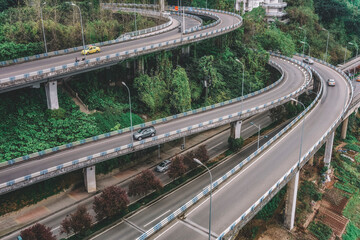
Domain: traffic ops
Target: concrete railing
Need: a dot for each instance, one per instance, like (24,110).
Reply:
(94,62)
(79,48)
(232,172)
(285,178)
(158,121)
(88,160)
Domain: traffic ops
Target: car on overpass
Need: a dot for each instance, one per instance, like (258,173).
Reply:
(331,82)
(308,61)
(90,49)
(144,133)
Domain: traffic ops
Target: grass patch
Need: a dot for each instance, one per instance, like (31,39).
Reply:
(352,209)
(351,233)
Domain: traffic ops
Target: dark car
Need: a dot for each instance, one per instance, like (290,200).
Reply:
(308,61)
(163,166)
(144,133)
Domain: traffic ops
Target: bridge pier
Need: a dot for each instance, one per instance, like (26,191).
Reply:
(344,128)
(328,150)
(235,129)
(52,95)
(185,50)
(90,179)
(290,204)
(140,63)
(162,5)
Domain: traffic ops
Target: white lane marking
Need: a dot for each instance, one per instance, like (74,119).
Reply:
(252,163)
(156,218)
(166,230)
(215,146)
(55,228)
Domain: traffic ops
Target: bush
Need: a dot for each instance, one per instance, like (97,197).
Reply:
(177,167)
(320,230)
(235,144)
(144,183)
(112,201)
(37,232)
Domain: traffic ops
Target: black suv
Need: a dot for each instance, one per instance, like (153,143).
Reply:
(144,133)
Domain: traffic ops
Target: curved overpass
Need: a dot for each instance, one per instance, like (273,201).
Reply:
(42,70)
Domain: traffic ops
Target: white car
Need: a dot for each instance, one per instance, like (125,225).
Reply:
(163,166)
(308,61)
(331,82)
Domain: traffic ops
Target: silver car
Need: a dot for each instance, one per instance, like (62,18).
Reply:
(308,61)
(144,133)
(163,166)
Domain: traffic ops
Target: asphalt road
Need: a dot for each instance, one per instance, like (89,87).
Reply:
(215,146)
(32,66)
(294,78)
(238,194)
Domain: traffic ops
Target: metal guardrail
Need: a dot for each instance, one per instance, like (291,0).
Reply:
(128,129)
(128,147)
(74,49)
(233,171)
(60,70)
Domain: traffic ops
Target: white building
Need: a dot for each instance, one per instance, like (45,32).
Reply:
(274,8)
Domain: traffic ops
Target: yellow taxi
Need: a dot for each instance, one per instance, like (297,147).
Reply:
(90,49)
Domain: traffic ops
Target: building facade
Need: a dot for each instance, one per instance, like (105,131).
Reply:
(274,8)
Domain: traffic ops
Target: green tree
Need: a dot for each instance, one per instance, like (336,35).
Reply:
(181,95)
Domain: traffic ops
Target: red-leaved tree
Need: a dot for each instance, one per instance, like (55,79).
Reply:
(189,160)
(201,153)
(78,222)
(177,167)
(143,183)
(112,201)
(37,232)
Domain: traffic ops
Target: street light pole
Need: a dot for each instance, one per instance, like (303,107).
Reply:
(304,39)
(131,126)
(82,29)
(242,84)
(258,142)
(200,163)
(327,43)
(302,129)
(308,45)
(42,24)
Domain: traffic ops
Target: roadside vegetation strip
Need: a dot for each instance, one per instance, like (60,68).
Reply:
(232,172)
(128,129)
(166,135)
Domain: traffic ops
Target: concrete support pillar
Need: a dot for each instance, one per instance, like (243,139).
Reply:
(344,128)
(235,129)
(90,179)
(185,50)
(290,204)
(140,63)
(51,95)
(162,5)
(328,149)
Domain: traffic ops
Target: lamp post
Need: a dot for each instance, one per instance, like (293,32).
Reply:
(302,129)
(258,143)
(131,127)
(82,29)
(200,163)
(242,84)
(304,38)
(308,45)
(42,25)
(327,43)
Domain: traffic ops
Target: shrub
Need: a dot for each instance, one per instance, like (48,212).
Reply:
(177,167)
(111,202)
(235,144)
(320,230)
(143,183)
(37,232)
